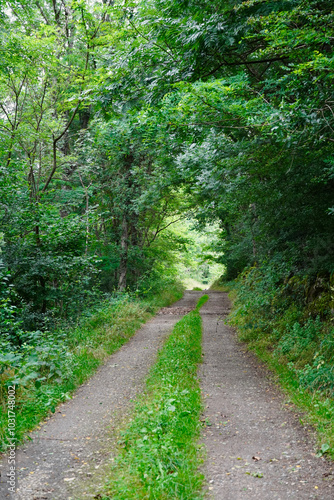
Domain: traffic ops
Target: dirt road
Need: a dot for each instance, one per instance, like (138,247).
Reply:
(256,447)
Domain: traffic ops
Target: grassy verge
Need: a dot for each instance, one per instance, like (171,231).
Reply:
(159,455)
(52,365)
(219,286)
(288,352)
(318,410)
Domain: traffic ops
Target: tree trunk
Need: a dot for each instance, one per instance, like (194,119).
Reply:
(41,278)
(124,255)
(252,225)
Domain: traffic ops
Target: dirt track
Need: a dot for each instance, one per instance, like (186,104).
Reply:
(76,442)
(246,417)
(256,447)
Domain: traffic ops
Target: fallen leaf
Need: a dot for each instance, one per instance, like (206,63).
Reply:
(257,474)
(256,458)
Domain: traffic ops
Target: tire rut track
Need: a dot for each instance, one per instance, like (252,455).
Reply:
(256,447)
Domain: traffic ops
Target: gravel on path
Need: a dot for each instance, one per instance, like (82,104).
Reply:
(256,446)
(76,440)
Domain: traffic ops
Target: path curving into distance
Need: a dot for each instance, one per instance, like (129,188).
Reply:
(74,445)
(247,416)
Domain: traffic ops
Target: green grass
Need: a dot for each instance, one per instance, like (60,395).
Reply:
(219,286)
(74,355)
(191,284)
(159,455)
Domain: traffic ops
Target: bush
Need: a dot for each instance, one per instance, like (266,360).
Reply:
(299,338)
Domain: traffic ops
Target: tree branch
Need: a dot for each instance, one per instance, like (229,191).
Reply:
(245,63)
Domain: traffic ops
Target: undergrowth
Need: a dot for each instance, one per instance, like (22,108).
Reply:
(159,456)
(288,323)
(219,286)
(49,366)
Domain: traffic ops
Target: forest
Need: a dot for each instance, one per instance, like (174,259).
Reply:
(123,119)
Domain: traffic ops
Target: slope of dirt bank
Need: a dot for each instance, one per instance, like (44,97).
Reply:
(256,447)
(75,442)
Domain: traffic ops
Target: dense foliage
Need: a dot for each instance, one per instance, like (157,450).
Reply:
(83,191)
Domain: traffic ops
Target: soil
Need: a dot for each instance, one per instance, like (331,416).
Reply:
(256,445)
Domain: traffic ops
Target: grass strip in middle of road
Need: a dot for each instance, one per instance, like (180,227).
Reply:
(159,458)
